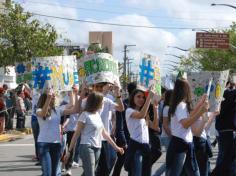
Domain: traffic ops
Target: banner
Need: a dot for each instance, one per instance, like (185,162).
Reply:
(60,72)
(96,68)
(199,82)
(150,73)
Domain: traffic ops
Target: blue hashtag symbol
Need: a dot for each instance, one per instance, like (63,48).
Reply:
(40,76)
(146,73)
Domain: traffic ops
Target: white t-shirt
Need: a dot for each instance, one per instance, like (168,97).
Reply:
(49,129)
(71,126)
(165,115)
(92,131)
(177,129)
(105,112)
(198,122)
(138,128)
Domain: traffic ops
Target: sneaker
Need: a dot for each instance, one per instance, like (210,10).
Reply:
(68,172)
(74,164)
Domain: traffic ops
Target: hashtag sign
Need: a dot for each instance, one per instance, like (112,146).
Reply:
(146,73)
(40,75)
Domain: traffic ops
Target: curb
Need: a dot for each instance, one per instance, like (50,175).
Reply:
(15,134)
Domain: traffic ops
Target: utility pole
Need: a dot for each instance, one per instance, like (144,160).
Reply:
(124,67)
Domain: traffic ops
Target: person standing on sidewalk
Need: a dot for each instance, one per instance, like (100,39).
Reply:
(20,110)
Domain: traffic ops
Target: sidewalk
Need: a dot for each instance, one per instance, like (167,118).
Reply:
(12,135)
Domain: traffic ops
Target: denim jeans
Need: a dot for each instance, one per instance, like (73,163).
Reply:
(35,129)
(89,156)
(49,155)
(137,169)
(76,154)
(165,142)
(181,157)
(106,160)
(202,154)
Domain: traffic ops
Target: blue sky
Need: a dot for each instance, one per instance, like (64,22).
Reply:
(158,13)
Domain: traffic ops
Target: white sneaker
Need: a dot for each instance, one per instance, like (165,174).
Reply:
(68,172)
(74,164)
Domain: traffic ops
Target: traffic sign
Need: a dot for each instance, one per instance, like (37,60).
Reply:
(212,40)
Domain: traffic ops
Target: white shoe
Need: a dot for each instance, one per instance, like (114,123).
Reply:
(68,172)
(74,164)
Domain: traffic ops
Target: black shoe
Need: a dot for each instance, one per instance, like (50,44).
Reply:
(37,164)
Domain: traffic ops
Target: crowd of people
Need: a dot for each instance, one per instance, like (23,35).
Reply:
(109,132)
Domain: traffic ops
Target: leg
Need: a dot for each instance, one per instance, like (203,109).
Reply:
(174,160)
(45,159)
(55,153)
(88,157)
(76,154)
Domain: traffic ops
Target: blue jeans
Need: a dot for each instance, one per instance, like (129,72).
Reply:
(76,154)
(49,155)
(181,157)
(89,156)
(137,169)
(106,160)
(35,129)
(165,142)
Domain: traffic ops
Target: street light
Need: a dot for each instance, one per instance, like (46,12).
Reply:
(180,57)
(178,48)
(228,5)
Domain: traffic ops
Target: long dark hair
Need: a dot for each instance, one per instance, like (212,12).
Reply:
(94,102)
(167,101)
(41,102)
(131,98)
(182,92)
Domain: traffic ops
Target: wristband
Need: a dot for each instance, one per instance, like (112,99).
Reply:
(118,97)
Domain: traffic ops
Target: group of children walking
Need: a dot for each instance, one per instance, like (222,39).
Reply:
(113,133)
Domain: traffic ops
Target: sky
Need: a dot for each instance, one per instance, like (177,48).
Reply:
(173,21)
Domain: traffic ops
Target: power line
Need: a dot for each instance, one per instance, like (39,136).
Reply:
(122,25)
(120,13)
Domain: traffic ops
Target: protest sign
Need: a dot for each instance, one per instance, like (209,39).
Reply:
(150,73)
(60,72)
(96,68)
(199,82)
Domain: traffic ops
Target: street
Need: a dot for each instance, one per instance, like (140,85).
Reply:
(16,158)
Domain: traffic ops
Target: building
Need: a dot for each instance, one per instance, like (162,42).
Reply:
(104,38)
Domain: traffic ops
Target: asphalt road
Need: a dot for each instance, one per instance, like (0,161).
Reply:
(16,158)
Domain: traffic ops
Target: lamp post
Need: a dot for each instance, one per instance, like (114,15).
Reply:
(176,47)
(228,5)
(173,55)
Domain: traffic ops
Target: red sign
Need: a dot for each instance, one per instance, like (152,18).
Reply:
(212,40)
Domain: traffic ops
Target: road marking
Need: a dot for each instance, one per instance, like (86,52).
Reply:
(15,145)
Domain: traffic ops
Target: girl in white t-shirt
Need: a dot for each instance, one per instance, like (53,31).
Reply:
(91,129)
(49,139)
(138,121)
(202,143)
(180,154)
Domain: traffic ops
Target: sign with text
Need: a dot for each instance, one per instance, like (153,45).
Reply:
(212,40)
(199,82)
(58,71)
(150,73)
(97,68)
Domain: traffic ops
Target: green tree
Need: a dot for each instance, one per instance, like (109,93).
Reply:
(213,59)
(23,37)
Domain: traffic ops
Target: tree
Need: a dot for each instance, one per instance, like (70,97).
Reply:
(23,37)
(214,59)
